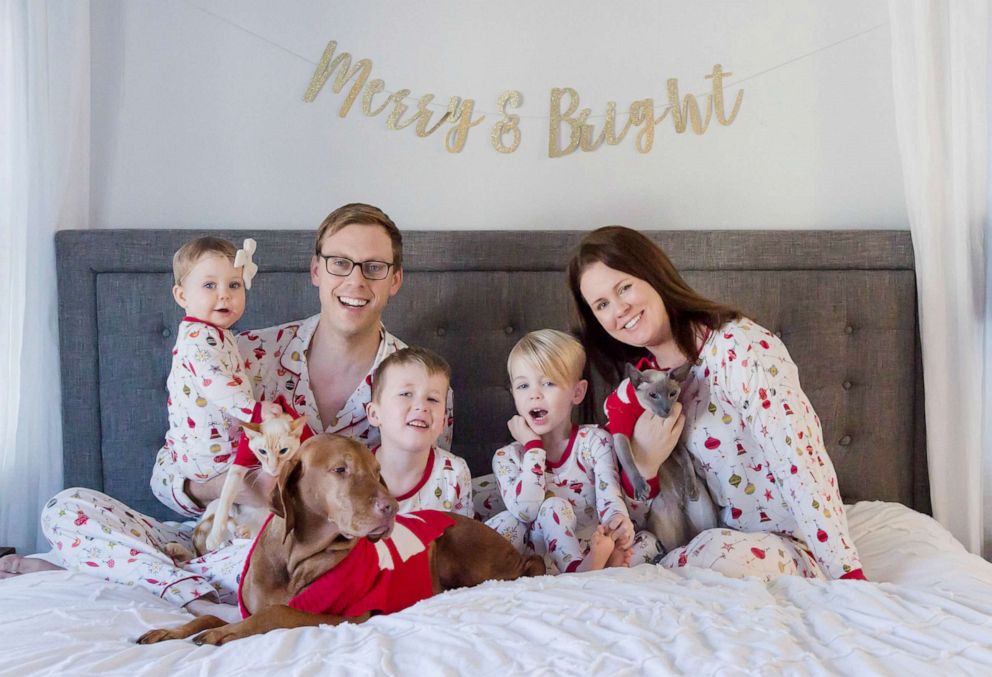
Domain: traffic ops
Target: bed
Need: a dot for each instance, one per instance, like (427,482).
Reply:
(844,302)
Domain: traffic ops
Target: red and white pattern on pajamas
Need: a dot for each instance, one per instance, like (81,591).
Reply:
(554,508)
(95,533)
(445,485)
(209,395)
(276,364)
(755,435)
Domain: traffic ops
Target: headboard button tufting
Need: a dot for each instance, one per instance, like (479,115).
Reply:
(508,330)
(778,333)
(848,329)
(847,385)
(845,441)
(166,332)
(440,331)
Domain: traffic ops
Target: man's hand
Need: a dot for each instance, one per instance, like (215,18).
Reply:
(655,439)
(521,430)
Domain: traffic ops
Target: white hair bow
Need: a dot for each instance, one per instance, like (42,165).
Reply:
(243,258)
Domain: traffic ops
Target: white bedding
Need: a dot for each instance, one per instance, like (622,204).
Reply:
(927,611)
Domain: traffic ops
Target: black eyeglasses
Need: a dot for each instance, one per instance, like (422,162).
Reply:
(342,267)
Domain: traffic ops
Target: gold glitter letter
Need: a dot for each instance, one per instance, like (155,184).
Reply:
(463,122)
(717,77)
(326,67)
(557,117)
(509,123)
(690,112)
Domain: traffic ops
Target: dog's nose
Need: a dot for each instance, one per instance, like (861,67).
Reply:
(385,506)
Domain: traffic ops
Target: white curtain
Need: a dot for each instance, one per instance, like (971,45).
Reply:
(940,65)
(44,187)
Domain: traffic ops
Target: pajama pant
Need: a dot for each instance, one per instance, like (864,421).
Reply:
(737,554)
(99,535)
(553,535)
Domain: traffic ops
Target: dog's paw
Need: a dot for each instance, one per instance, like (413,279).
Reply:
(159,635)
(215,539)
(178,552)
(218,636)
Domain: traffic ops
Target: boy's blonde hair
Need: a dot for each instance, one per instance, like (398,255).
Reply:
(428,359)
(365,215)
(192,252)
(550,352)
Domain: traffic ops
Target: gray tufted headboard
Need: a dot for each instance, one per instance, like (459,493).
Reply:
(844,302)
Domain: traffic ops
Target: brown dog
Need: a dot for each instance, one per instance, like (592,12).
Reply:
(328,498)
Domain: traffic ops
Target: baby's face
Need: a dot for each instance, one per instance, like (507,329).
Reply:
(543,401)
(410,409)
(214,291)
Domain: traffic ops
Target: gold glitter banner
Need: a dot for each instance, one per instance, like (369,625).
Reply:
(505,135)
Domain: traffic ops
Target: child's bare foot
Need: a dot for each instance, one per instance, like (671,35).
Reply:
(15,565)
(620,557)
(600,549)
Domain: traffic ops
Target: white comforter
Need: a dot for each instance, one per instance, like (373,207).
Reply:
(928,610)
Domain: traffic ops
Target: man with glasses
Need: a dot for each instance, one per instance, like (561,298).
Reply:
(323,365)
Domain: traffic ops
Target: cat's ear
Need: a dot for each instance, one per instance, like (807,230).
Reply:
(634,374)
(252,430)
(296,427)
(681,373)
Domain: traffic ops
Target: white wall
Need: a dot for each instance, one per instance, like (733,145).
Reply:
(198,117)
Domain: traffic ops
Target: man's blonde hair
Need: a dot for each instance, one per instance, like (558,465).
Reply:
(550,352)
(363,215)
(428,359)
(192,252)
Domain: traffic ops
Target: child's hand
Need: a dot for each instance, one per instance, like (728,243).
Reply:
(270,409)
(521,431)
(621,530)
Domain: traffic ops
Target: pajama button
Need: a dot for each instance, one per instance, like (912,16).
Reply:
(847,385)
(166,332)
(845,440)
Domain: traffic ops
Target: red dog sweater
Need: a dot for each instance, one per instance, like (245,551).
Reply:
(387,576)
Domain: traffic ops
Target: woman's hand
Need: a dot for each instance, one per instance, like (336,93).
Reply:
(655,439)
(521,431)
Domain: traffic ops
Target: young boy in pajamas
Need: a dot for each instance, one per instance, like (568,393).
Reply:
(559,481)
(409,390)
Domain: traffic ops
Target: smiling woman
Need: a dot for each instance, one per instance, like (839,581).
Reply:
(749,427)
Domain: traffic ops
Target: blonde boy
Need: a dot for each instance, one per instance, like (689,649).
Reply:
(559,481)
(409,393)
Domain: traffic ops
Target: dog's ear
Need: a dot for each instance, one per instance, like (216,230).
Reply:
(284,495)
(681,373)
(634,374)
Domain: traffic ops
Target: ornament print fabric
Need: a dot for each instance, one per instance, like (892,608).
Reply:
(555,508)
(446,485)
(759,442)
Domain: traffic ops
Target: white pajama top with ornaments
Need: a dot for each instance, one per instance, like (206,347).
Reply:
(756,437)
(275,360)
(445,485)
(584,481)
